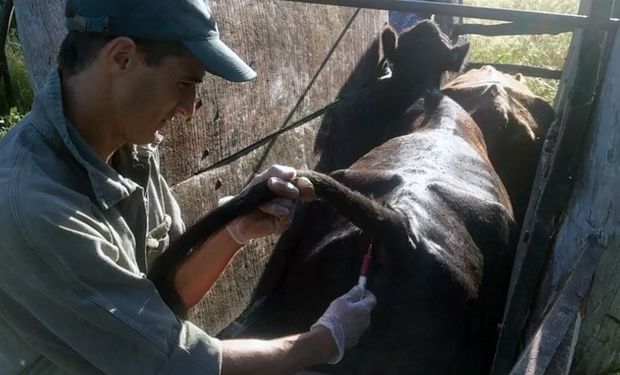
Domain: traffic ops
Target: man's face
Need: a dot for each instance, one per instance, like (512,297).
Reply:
(149,97)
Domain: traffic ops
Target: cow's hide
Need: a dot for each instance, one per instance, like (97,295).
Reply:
(513,121)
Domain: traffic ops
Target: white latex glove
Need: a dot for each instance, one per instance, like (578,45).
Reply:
(273,216)
(347,317)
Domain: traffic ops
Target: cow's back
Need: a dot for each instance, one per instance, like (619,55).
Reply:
(514,122)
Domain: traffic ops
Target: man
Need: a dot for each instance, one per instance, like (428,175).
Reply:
(84,210)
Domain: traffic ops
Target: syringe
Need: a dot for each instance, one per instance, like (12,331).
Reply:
(364,270)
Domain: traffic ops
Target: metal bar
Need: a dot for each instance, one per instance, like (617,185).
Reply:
(576,21)
(510,28)
(530,71)
(540,351)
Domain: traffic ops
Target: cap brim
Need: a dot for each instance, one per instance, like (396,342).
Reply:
(220,60)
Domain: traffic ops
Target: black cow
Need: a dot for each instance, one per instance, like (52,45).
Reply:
(441,293)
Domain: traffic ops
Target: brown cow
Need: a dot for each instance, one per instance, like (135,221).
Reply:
(513,121)
(441,293)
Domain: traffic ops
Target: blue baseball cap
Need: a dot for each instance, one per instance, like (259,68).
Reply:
(187,21)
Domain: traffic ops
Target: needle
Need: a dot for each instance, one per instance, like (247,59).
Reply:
(364,270)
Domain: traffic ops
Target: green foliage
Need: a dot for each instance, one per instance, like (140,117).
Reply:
(19,76)
(9,119)
(22,92)
(545,51)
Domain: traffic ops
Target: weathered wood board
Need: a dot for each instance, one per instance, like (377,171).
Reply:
(564,353)
(597,209)
(593,344)
(40,44)
(290,45)
(557,176)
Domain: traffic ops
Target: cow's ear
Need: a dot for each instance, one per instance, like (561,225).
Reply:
(457,55)
(388,41)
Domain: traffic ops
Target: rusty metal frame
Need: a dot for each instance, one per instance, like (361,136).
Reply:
(535,18)
(562,313)
(518,22)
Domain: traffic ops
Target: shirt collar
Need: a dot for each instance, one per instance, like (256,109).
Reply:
(108,185)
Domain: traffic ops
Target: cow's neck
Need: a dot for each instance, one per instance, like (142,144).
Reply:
(403,90)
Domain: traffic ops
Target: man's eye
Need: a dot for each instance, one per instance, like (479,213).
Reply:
(184,85)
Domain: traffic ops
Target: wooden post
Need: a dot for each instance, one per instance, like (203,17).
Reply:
(552,190)
(598,346)
(41,26)
(538,356)
(5,26)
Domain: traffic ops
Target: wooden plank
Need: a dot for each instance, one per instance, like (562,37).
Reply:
(563,358)
(570,64)
(40,44)
(559,264)
(598,346)
(298,74)
(269,139)
(553,187)
(543,345)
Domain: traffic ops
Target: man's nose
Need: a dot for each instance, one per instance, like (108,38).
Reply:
(188,106)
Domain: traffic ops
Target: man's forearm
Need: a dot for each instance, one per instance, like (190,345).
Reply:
(282,356)
(200,271)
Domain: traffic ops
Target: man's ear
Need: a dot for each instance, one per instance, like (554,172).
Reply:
(457,55)
(121,53)
(389,43)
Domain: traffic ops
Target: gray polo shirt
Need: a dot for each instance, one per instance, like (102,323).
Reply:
(77,237)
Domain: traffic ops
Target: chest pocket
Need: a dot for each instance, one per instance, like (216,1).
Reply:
(158,239)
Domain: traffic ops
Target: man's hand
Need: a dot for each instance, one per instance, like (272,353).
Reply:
(347,317)
(274,216)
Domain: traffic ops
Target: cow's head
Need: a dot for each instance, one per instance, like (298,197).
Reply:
(422,52)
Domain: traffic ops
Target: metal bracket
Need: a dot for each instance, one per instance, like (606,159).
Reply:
(89,24)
